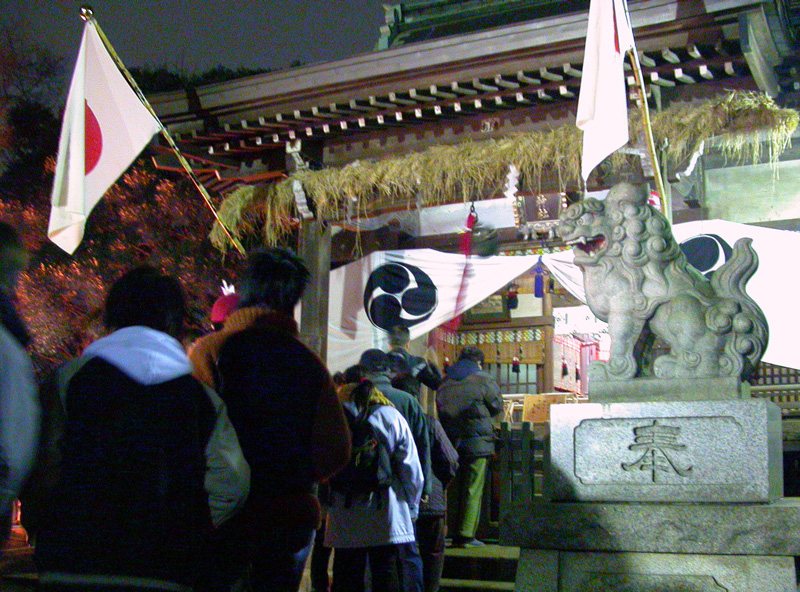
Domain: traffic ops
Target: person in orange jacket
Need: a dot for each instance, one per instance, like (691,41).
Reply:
(283,405)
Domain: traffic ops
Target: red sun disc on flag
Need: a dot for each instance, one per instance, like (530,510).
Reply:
(93,137)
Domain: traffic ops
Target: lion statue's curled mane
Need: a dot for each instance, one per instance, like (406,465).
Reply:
(638,280)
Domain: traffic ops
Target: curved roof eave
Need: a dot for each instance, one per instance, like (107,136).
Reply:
(483,53)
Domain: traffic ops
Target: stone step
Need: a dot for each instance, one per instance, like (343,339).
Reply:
(453,585)
(480,569)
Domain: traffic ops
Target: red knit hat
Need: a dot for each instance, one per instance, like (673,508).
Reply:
(223,306)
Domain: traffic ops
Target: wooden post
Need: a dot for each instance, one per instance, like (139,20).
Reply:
(315,251)
(517,464)
(666,200)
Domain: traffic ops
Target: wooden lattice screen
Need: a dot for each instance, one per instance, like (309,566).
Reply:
(500,347)
(779,384)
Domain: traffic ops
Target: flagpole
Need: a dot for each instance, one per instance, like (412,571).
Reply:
(648,130)
(88,15)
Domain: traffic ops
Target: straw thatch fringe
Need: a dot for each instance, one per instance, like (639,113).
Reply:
(477,170)
(734,121)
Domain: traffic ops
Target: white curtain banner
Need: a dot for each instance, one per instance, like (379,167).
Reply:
(416,288)
(770,286)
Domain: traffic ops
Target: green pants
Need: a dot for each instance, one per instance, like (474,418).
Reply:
(471,479)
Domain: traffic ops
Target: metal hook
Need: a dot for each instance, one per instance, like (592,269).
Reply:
(473,213)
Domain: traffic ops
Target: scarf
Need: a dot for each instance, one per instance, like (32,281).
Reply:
(376,397)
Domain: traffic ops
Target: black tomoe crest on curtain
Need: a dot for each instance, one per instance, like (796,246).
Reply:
(706,252)
(399,294)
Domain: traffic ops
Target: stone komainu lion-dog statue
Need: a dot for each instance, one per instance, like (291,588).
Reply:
(638,280)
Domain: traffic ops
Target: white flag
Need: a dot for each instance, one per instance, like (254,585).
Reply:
(602,105)
(417,288)
(105,128)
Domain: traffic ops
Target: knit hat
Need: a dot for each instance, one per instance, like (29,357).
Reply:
(375,361)
(223,306)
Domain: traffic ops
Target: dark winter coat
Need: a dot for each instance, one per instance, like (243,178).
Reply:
(19,422)
(467,401)
(130,497)
(281,401)
(411,372)
(444,465)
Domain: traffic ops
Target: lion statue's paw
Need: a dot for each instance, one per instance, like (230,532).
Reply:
(614,369)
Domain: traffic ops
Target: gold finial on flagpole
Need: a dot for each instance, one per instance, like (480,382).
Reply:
(648,131)
(87,12)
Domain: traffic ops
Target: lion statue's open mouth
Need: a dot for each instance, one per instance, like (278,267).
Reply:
(638,280)
(589,246)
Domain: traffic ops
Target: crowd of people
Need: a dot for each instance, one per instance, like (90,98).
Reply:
(145,465)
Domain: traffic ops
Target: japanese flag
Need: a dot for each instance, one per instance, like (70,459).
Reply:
(602,105)
(105,128)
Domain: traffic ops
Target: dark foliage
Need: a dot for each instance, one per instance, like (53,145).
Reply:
(147,217)
(33,134)
(163,79)
(29,72)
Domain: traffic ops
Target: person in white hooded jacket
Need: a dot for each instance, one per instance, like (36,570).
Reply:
(19,404)
(142,458)
(378,524)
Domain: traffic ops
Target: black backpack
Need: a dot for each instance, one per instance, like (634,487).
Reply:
(370,466)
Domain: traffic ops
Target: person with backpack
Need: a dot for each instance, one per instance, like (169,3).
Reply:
(378,369)
(141,461)
(375,499)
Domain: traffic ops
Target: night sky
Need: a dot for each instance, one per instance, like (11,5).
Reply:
(193,36)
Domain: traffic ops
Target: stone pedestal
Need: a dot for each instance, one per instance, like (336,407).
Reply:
(658,496)
(693,451)
(556,571)
(672,389)
(706,529)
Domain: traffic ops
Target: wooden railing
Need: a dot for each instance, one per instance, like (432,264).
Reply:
(520,461)
(785,396)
